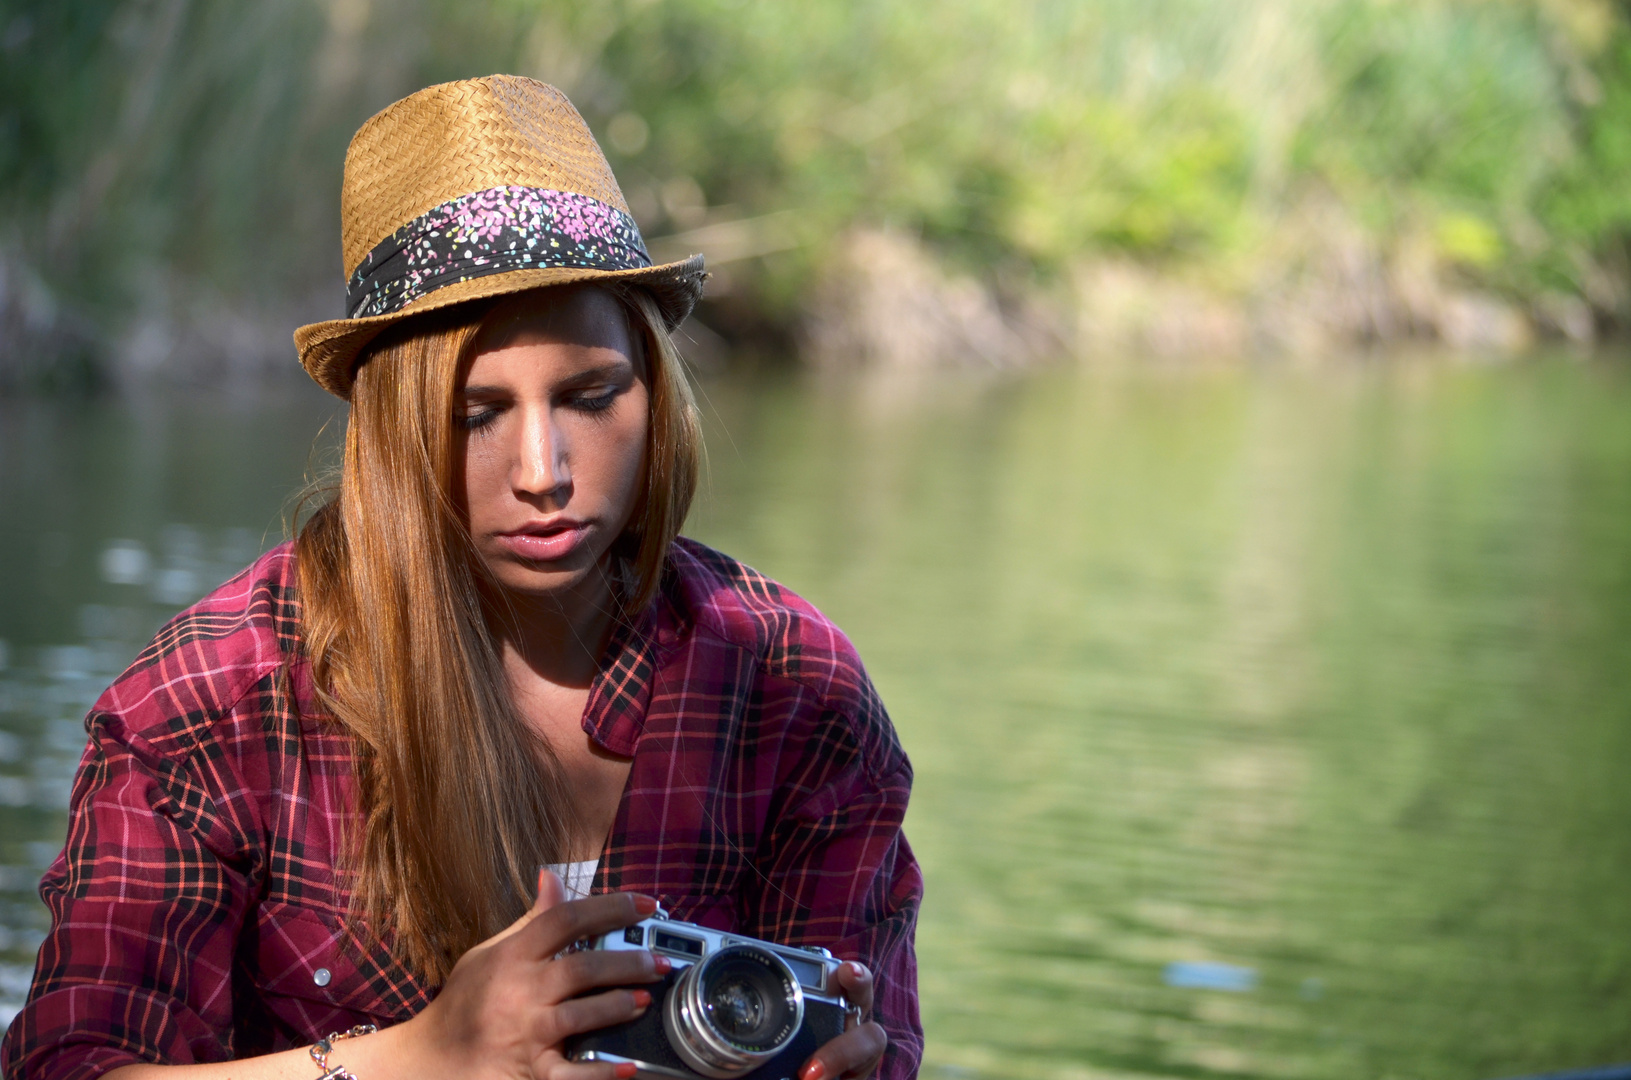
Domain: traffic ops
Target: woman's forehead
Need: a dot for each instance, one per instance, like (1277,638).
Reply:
(563,314)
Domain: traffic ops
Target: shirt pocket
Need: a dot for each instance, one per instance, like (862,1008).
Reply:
(305,975)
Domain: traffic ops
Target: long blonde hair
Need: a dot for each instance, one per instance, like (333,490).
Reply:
(459,802)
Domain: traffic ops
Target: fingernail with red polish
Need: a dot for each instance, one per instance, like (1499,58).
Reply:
(856,969)
(642,998)
(645,905)
(626,1070)
(662,965)
(813,1071)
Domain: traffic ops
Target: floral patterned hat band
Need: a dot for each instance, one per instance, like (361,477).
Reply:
(492,232)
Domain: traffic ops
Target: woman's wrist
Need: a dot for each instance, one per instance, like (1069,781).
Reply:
(392,1053)
(324,1047)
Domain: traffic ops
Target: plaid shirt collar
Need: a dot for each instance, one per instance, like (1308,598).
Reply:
(615,715)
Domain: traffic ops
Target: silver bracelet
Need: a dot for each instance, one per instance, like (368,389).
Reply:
(323,1047)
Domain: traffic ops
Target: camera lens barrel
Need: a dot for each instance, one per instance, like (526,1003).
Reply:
(733,1011)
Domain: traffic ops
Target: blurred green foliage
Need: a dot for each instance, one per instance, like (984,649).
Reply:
(196,144)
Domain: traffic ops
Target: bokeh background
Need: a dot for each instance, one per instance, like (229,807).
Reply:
(1210,418)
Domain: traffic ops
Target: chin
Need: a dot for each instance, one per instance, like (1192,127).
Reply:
(542,581)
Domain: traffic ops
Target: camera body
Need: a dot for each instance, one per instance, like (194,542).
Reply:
(732,1008)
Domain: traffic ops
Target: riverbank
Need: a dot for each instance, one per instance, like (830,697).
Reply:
(888,303)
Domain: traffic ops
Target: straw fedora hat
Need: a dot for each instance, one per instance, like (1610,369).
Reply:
(472,189)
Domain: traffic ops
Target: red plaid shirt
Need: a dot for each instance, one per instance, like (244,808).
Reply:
(195,907)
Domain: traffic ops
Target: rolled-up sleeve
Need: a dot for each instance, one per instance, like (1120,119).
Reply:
(836,870)
(147,902)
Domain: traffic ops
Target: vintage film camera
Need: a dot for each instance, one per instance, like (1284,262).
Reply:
(733,1007)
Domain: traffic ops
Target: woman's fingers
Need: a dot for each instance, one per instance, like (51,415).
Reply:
(597,1011)
(856,982)
(548,932)
(552,1066)
(550,893)
(853,1055)
(580,972)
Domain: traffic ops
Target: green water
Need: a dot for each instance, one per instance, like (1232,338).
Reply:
(1320,677)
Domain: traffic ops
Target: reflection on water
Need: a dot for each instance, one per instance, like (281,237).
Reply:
(1266,723)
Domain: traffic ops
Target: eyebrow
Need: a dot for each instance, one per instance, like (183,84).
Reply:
(613,370)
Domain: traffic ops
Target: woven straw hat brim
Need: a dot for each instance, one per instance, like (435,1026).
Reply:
(329,350)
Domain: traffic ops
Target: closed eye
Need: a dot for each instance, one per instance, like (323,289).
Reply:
(477,417)
(596,400)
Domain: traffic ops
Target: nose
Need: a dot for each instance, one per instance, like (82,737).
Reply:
(541,469)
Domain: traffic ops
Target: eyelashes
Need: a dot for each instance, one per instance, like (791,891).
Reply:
(592,405)
(478,420)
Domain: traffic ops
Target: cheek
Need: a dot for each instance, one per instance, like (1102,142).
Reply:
(624,460)
(481,481)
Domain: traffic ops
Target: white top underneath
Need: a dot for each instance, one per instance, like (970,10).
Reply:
(576,876)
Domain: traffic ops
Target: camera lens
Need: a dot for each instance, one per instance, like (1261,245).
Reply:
(734,1011)
(746,1000)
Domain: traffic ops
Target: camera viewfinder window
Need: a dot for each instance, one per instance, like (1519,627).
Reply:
(674,943)
(808,972)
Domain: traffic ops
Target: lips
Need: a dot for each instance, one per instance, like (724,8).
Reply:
(545,542)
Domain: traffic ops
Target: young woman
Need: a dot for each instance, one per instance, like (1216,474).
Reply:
(318,803)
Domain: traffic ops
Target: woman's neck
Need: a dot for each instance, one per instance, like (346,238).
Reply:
(558,638)
(550,658)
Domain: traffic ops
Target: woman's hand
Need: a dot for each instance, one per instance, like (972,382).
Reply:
(855,1054)
(510,1001)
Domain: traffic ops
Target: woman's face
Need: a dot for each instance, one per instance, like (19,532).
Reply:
(550,423)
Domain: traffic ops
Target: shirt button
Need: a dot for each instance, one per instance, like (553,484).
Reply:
(321,976)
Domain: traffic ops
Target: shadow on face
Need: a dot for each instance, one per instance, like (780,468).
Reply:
(582,315)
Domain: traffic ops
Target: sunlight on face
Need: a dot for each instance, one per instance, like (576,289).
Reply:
(552,418)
